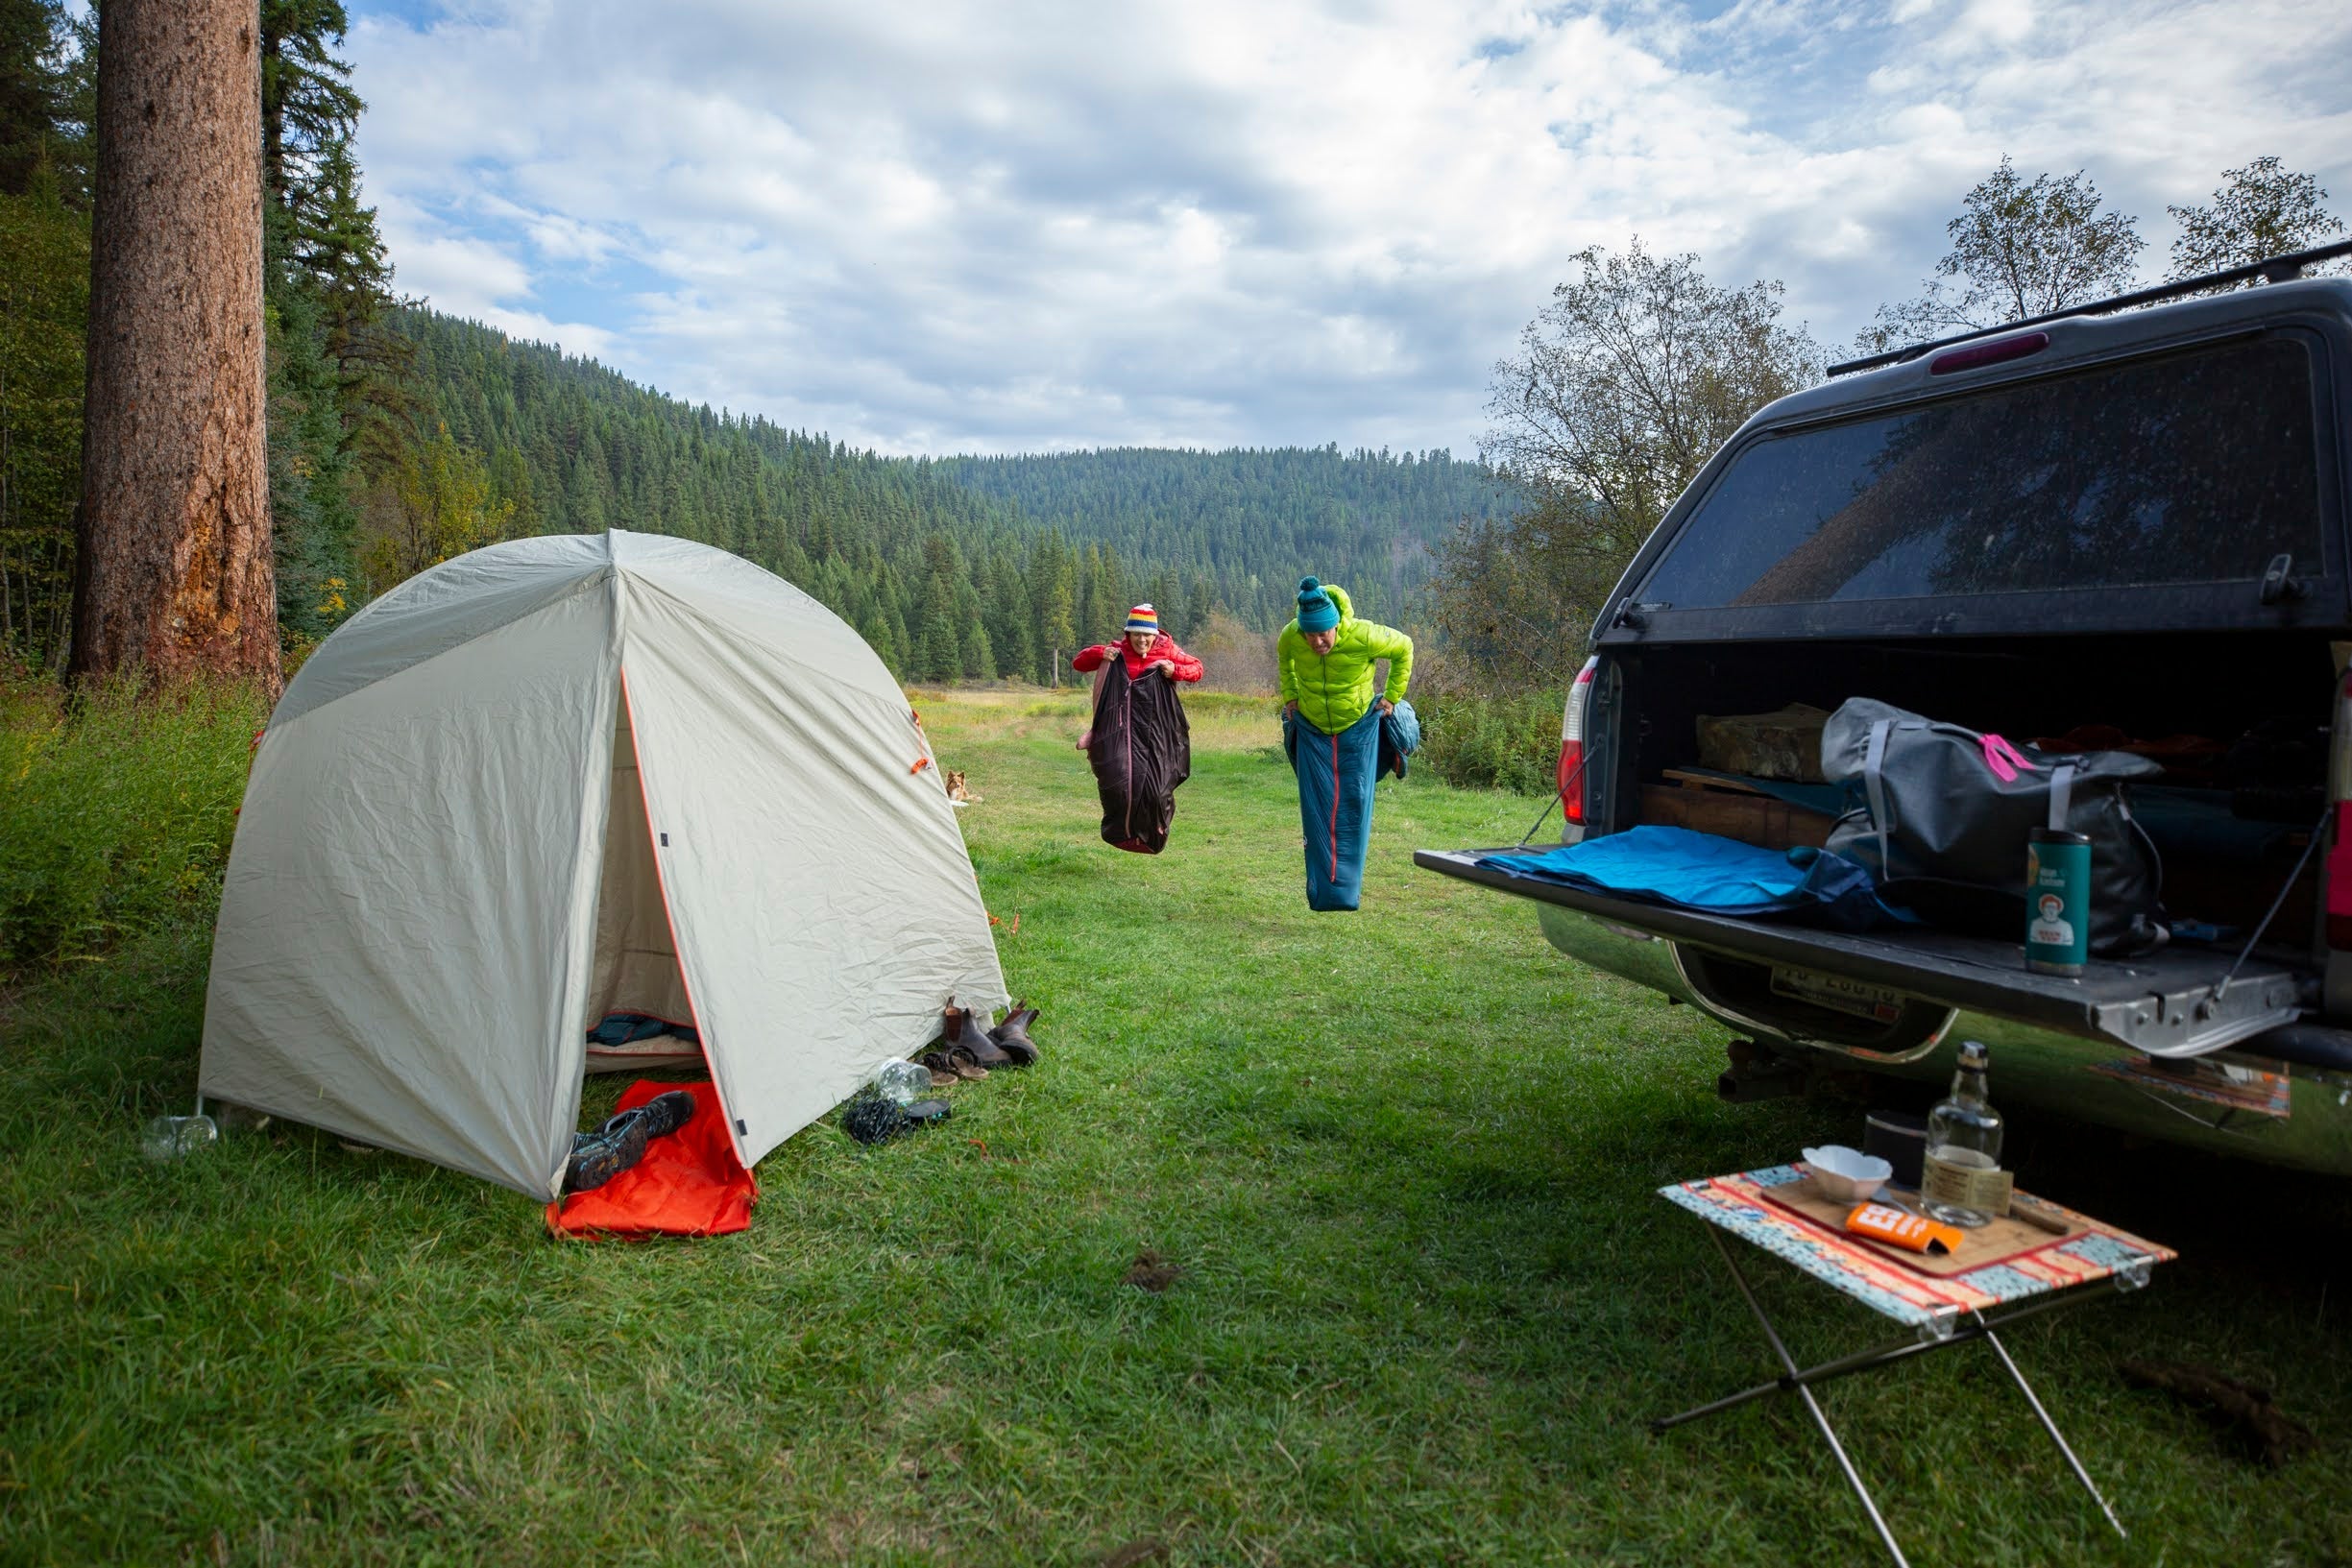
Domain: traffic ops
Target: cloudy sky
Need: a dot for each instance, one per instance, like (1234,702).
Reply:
(935,225)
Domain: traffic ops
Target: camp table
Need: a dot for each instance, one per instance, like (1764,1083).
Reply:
(1936,1311)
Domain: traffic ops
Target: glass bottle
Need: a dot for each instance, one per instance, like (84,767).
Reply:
(902,1082)
(176,1137)
(1963,1146)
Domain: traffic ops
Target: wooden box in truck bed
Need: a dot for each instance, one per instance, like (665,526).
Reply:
(1716,805)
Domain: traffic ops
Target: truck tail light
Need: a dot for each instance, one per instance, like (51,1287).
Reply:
(1572,744)
(2340,882)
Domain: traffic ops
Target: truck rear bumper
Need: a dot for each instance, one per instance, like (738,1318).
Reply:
(2177,1002)
(2236,1101)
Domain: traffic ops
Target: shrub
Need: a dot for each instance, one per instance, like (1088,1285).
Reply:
(116,809)
(1233,658)
(1507,741)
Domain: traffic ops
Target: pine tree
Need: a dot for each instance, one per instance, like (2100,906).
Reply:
(1052,582)
(939,655)
(336,411)
(173,562)
(28,90)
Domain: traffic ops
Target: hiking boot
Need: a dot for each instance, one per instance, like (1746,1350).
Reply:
(665,1114)
(597,1157)
(951,1020)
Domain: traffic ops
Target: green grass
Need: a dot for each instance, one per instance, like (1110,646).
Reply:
(115,819)
(1404,1158)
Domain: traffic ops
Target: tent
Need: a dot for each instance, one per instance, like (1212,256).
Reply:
(569,775)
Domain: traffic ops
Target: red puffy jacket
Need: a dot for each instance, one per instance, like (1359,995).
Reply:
(1163,646)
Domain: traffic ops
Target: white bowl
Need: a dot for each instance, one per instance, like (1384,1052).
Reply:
(1846,1176)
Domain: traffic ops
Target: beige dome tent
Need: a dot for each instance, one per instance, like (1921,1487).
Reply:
(566,777)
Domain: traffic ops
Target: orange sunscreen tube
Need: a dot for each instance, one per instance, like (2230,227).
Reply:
(1907,1231)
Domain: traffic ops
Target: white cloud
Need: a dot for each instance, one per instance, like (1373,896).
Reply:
(935,225)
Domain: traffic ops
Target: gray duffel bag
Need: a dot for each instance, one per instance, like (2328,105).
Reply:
(1939,814)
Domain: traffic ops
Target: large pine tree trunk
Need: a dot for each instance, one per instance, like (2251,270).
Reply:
(173,571)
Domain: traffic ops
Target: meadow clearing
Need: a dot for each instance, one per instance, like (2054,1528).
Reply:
(1401,1164)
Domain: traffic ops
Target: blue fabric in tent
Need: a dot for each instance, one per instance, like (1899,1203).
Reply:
(1711,875)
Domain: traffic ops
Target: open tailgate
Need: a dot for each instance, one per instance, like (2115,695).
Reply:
(2170,1002)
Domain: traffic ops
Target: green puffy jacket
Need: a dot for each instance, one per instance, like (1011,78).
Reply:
(1333,691)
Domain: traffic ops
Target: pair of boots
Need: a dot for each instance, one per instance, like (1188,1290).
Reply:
(966,1050)
(598,1156)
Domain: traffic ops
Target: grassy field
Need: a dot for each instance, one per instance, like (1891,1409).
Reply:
(1402,1159)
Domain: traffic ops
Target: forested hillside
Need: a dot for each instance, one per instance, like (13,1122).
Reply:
(970,567)
(943,581)
(1250,520)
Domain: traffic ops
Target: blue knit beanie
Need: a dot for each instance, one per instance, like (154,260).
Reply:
(1315,611)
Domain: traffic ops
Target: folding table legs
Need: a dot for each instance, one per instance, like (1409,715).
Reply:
(1793,1380)
(2049,1426)
(1798,1382)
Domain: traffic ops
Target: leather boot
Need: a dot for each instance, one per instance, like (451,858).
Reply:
(1013,1036)
(961,1037)
(983,1049)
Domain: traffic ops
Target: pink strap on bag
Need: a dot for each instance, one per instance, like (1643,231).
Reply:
(2004,759)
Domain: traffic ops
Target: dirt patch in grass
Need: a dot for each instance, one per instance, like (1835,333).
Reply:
(1150,1271)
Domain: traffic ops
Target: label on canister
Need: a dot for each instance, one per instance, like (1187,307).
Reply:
(2057,901)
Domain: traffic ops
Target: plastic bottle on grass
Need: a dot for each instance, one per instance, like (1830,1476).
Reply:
(902,1083)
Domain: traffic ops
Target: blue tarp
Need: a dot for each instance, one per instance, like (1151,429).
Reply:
(1709,875)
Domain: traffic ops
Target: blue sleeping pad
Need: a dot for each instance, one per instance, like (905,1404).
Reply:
(1680,869)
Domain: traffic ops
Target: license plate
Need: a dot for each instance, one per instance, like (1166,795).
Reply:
(1838,995)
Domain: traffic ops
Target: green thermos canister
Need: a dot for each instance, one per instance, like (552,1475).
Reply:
(2057,901)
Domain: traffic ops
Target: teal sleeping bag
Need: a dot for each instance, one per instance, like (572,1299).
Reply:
(1336,774)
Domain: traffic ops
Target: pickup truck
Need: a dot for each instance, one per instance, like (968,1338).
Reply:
(2129,522)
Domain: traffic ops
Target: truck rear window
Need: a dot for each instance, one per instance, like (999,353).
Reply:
(2192,468)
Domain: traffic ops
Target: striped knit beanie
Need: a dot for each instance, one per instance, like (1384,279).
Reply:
(1142,618)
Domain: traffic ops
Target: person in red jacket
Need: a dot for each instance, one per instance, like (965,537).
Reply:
(1137,742)
(1143,647)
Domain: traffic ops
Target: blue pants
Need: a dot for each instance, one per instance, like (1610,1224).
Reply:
(1335,773)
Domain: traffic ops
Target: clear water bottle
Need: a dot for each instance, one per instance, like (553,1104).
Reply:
(902,1083)
(1960,1177)
(177,1137)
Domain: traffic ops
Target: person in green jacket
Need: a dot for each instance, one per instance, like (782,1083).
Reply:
(1331,728)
